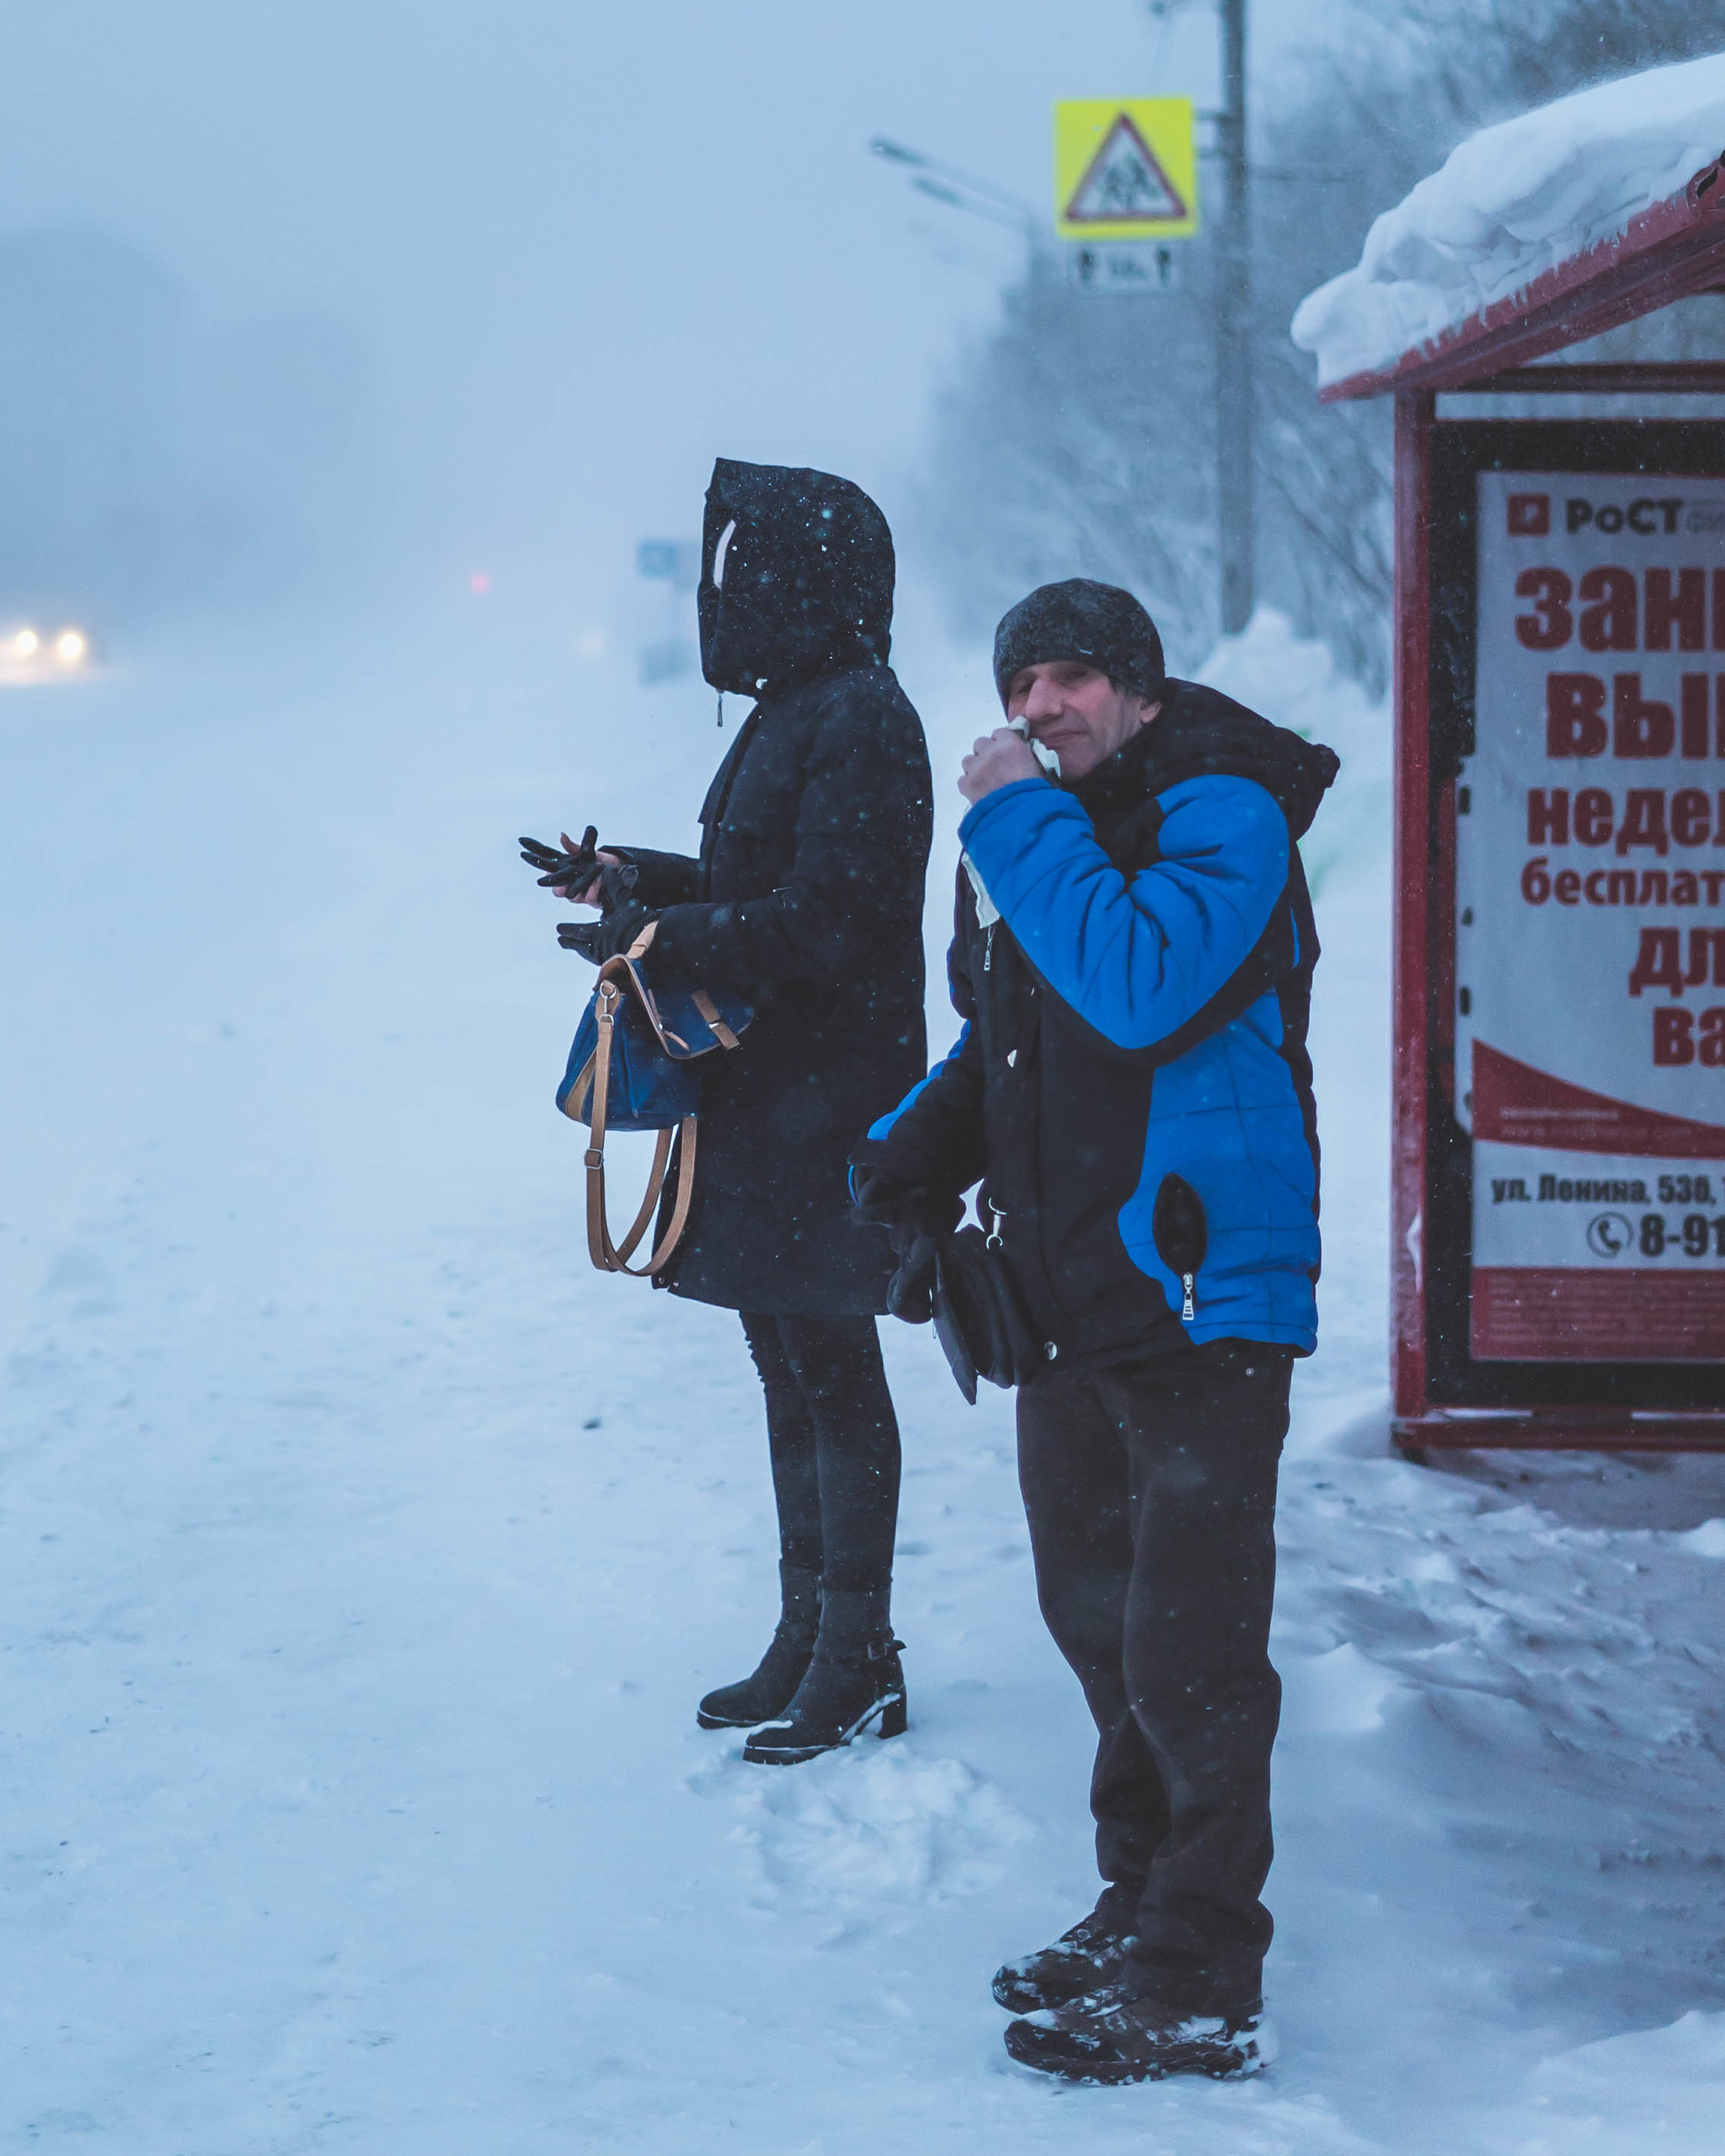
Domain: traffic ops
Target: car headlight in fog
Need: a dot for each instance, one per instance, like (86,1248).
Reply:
(28,654)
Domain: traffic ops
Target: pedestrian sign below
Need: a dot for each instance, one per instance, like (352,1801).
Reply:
(1125,168)
(1124,266)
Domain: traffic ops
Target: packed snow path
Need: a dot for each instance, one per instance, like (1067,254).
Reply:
(365,1554)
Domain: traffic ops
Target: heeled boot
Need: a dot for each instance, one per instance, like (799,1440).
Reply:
(782,1668)
(855,1682)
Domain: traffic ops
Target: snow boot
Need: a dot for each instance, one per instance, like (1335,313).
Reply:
(782,1668)
(1084,1959)
(855,1682)
(1119,2034)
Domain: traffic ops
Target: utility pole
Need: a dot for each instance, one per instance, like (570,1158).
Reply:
(1233,328)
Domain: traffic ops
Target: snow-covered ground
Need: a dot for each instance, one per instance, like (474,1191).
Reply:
(365,1553)
(1508,204)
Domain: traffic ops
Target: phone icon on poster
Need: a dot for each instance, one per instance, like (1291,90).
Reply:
(1609,1234)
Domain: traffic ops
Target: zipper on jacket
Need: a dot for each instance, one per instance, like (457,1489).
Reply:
(1181,1233)
(988,948)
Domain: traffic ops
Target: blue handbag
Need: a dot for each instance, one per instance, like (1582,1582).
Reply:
(631,1069)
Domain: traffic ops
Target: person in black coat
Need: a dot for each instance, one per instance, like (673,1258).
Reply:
(806,899)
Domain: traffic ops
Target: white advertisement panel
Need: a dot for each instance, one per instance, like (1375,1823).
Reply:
(1590,920)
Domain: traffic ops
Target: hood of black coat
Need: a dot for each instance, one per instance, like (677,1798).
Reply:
(805,586)
(1198,734)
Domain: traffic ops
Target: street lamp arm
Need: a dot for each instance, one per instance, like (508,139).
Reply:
(900,153)
(941,192)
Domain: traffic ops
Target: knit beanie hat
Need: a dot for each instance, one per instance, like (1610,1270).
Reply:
(1097,623)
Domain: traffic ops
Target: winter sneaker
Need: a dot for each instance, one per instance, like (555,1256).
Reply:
(1116,2035)
(854,1683)
(1083,1960)
(782,1668)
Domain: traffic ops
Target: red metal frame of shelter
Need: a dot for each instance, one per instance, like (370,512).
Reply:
(1671,251)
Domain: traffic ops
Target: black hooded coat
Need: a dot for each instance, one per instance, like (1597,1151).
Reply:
(807,896)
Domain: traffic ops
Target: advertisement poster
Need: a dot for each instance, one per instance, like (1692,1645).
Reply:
(1590,920)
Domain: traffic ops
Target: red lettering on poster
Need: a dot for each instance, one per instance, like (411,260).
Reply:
(1593,816)
(1691,817)
(1644,821)
(1548,816)
(1692,695)
(1673,1044)
(1640,726)
(1609,625)
(1549,624)
(1658,961)
(1684,608)
(1575,715)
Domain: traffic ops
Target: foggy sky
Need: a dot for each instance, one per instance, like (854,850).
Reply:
(592,246)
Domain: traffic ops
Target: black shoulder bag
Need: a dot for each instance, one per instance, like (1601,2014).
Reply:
(980,1318)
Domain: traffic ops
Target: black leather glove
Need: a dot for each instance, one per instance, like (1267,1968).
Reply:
(661,879)
(604,938)
(915,1219)
(576,866)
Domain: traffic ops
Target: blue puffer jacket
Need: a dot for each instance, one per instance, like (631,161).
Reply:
(1131,1083)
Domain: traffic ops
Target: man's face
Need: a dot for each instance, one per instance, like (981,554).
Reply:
(1078,712)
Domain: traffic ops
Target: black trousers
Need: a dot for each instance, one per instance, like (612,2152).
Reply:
(834,1440)
(1150,1492)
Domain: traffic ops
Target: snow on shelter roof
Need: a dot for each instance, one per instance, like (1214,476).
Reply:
(1534,233)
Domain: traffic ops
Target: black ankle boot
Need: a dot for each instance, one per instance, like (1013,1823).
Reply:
(854,1683)
(771,1687)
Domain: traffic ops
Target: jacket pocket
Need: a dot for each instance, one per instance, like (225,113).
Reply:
(1181,1235)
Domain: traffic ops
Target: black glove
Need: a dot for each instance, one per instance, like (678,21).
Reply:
(916,1208)
(915,1219)
(602,939)
(662,879)
(575,866)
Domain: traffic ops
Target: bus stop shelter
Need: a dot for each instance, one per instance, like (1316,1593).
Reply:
(1558,1207)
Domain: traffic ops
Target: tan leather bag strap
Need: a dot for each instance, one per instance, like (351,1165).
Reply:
(721,1031)
(607,1255)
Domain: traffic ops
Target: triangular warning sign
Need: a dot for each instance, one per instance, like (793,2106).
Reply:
(1123,184)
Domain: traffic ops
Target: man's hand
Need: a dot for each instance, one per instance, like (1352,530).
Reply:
(916,1219)
(999,759)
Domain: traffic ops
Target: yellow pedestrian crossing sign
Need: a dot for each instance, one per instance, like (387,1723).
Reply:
(1125,168)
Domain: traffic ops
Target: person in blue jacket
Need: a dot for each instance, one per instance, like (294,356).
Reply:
(1132,958)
